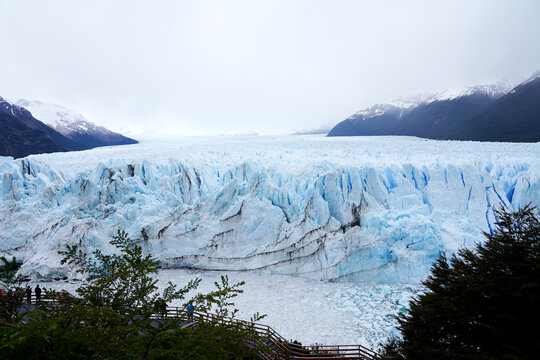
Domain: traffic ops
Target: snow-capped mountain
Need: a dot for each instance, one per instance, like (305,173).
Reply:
(24,135)
(407,103)
(513,117)
(378,110)
(372,209)
(19,140)
(56,129)
(453,114)
(73,125)
(494,91)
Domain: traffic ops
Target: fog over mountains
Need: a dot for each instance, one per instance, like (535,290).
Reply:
(483,113)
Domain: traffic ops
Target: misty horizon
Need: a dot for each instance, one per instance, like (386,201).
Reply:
(269,68)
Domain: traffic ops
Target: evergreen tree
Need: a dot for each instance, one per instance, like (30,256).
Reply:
(10,280)
(482,303)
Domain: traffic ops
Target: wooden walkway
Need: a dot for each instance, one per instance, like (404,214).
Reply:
(270,344)
(273,344)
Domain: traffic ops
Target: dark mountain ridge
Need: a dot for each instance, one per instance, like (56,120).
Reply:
(514,117)
(19,140)
(479,115)
(22,134)
(73,125)
(26,117)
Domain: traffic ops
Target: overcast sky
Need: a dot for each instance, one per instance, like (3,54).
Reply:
(270,67)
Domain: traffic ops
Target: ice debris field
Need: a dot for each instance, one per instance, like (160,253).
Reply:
(309,311)
(353,210)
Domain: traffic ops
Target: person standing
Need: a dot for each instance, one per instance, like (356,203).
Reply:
(28,294)
(190,310)
(38,293)
(157,307)
(163,308)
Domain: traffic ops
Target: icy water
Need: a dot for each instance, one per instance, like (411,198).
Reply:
(310,311)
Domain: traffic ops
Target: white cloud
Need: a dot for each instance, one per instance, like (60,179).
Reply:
(254,66)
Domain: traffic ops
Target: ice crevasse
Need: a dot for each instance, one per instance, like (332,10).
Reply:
(359,222)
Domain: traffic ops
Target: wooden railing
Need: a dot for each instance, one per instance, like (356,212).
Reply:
(273,344)
(268,342)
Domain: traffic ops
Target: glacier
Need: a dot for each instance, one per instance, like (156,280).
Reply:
(378,209)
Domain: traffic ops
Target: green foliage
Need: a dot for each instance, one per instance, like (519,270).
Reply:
(9,279)
(220,298)
(481,304)
(8,273)
(112,316)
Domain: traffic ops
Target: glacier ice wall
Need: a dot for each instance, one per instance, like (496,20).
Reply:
(356,220)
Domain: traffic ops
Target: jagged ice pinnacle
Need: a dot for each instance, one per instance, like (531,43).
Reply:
(367,208)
